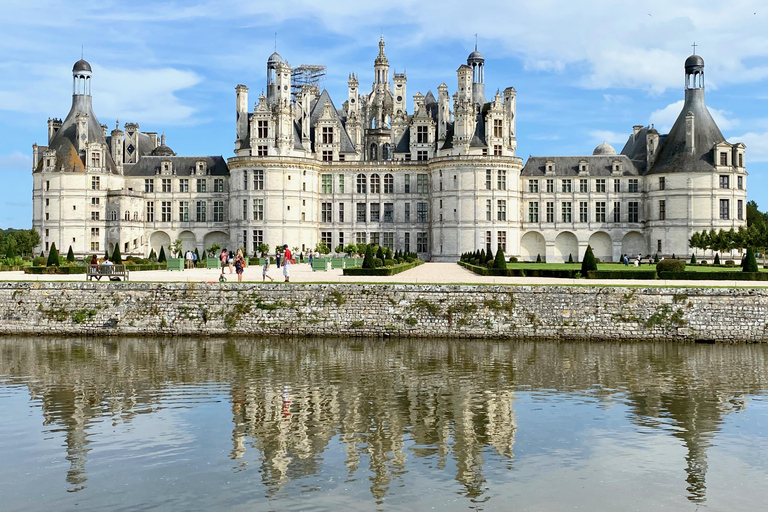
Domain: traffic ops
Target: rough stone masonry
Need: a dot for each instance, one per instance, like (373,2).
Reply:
(379,310)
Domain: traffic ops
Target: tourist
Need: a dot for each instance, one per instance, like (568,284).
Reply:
(194,260)
(311,258)
(625,259)
(231,261)
(223,257)
(106,262)
(239,265)
(286,263)
(94,260)
(265,268)
(188,259)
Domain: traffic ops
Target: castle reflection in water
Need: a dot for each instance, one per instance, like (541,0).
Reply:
(385,401)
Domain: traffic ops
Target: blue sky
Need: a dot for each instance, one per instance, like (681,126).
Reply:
(585,71)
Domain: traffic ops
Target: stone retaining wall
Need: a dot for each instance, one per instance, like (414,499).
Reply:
(458,311)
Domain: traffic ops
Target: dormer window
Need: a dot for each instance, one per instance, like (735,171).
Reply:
(201,168)
(327,134)
(95,159)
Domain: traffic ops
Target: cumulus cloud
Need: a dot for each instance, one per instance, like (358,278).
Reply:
(612,138)
(757,146)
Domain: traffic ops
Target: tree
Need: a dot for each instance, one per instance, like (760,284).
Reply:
(500,262)
(489,256)
(261,249)
(538,258)
(693,259)
(176,247)
(70,255)
(152,256)
(214,248)
(717,259)
(116,257)
(161,256)
(53,256)
(755,217)
(350,249)
(588,262)
(339,249)
(750,263)
(570,258)
(482,257)
(380,253)
(368,261)
(322,248)
(11,247)
(197,254)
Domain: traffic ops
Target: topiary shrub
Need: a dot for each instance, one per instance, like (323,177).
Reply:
(489,256)
(39,261)
(588,263)
(116,256)
(693,259)
(152,256)
(750,263)
(368,260)
(70,255)
(730,263)
(53,256)
(538,258)
(389,263)
(513,259)
(570,258)
(717,259)
(500,262)
(161,256)
(671,265)
(378,263)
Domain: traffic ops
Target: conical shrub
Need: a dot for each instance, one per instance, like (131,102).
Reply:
(588,263)
(116,257)
(499,262)
(750,263)
(53,256)
(161,256)
(70,255)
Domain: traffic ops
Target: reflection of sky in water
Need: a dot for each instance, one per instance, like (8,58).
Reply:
(260,425)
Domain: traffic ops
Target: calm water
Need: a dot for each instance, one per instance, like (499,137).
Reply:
(210,424)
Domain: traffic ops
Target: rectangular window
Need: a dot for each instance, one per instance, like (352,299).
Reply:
(165,211)
(407,242)
(501,179)
(150,211)
(533,211)
(600,185)
(723,158)
(421,242)
(183,211)
(389,184)
(725,181)
(361,213)
(201,184)
(633,185)
(326,183)
(261,150)
(388,240)
(257,237)
(94,246)
(533,186)
(375,238)
(184,185)
(245,180)
(326,237)
(662,183)
(421,212)
(258,179)
(389,212)
(550,211)
(497,128)
(407,213)
(583,185)
(341,238)
(487,241)
(341,212)
(617,211)
(421,184)
(362,184)
(375,212)
(326,212)
(94,201)
(245,209)
(375,184)
(262,129)
(488,179)
(95,183)
(360,238)
(501,210)
(550,186)
(600,211)
(166,184)
(94,215)
(740,182)
(218,184)
(149,185)
(258,209)
(421,135)
(488,209)
(496,150)
(502,236)
(327,156)
(725,212)
(407,183)
(327,134)
(616,186)
(662,210)
(200,211)
(341,183)
(566,186)
(583,211)
(421,155)
(565,210)
(633,211)
(740,209)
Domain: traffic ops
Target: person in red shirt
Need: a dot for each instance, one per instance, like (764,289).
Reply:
(287,256)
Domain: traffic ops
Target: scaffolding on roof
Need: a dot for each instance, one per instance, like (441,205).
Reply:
(306,74)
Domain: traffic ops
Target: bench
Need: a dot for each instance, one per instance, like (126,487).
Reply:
(110,271)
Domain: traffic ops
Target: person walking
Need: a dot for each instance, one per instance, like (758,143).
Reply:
(239,265)
(223,257)
(265,268)
(286,263)
(277,257)
(231,261)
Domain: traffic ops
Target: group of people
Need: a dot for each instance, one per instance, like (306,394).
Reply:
(190,259)
(236,262)
(637,261)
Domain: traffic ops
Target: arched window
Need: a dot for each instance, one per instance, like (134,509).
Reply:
(113,215)
(127,215)
(361,184)
(373,152)
(135,215)
(386,153)
(389,184)
(375,184)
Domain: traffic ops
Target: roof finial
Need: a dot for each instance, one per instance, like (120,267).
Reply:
(82,51)
(475,42)
(694,47)
(275,41)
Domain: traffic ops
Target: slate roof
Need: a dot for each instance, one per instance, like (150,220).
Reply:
(182,165)
(317,110)
(599,165)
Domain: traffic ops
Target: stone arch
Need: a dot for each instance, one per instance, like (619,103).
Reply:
(602,245)
(159,239)
(532,244)
(633,244)
(566,244)
(188,241)
(216,237)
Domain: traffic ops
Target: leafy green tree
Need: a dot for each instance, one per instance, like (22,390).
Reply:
(53,256)
(755,217)
(322,248)
(350,249)
(11,247)
(116,257)
(588,262)
(161,257)
(500,262)
(750,263)
(70,255)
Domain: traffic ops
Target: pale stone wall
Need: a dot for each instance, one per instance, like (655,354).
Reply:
(462,311)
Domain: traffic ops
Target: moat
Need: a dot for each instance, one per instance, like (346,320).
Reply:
(321,424)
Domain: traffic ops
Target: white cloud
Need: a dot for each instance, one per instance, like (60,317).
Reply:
(17,161)
(757,146)
(664,118)
(612,138)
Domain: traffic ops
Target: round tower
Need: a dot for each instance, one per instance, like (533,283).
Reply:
(272,63)
(381,67)
(477,63)
(694,72)
(81,78)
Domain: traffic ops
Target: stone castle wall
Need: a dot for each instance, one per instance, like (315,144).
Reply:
(457,311)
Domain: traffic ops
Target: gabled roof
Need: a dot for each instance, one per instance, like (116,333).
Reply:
(317,110)
(182,165)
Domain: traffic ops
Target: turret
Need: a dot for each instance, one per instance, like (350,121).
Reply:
(477,63)
(272,63)
(443,111)
(464,74)
(117,146)
(381,69)
(241,106)
(399,82)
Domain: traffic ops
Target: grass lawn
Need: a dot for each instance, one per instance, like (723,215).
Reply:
(619,266)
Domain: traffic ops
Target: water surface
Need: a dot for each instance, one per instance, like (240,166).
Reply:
(214,424)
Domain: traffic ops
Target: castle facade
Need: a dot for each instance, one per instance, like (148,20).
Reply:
(441,180)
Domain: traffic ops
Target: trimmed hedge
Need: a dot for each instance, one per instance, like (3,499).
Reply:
(522,272)
(54,270)
(622,274)
(671,265)
(715,276)
(147,266)
(381,271)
